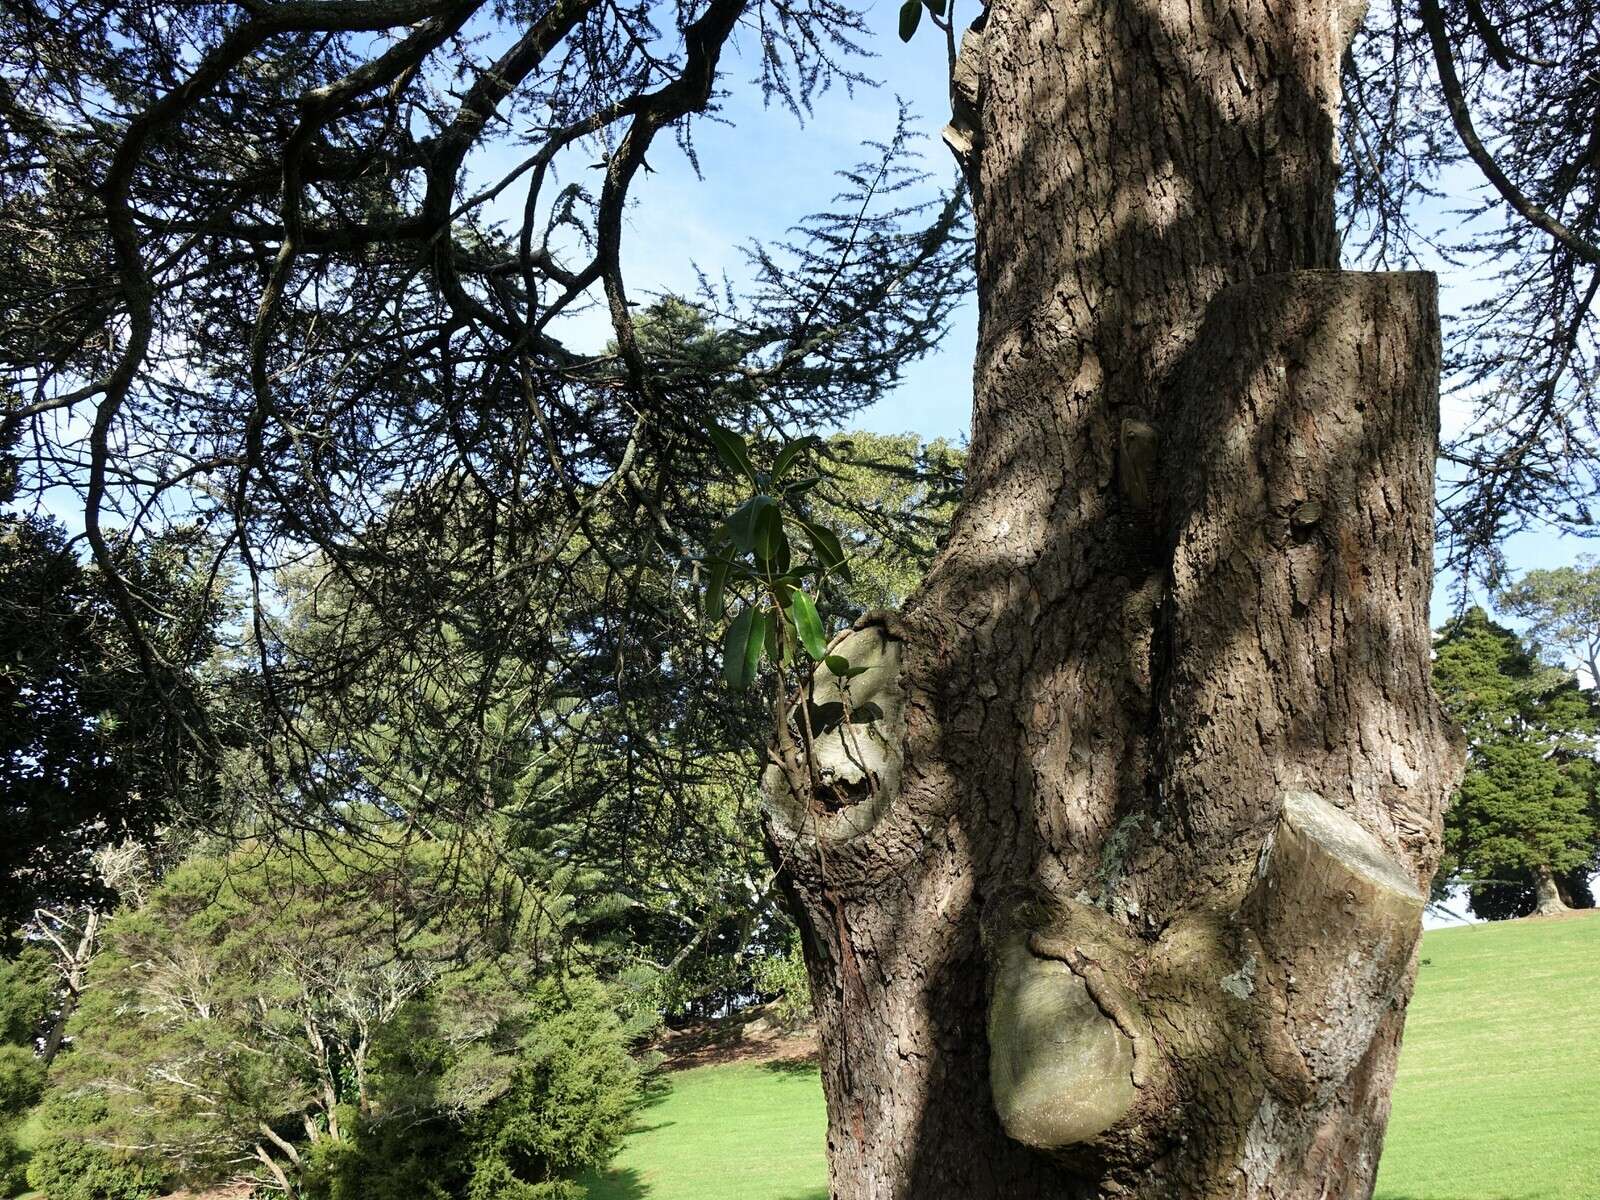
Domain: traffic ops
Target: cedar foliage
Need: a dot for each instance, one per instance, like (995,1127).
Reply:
(259,283)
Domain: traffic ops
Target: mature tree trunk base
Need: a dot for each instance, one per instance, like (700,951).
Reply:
(1201,995)
(1547,894)
(1112,874)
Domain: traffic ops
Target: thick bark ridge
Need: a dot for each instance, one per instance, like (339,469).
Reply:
(1117,880)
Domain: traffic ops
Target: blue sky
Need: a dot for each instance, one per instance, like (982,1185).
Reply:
(764,170)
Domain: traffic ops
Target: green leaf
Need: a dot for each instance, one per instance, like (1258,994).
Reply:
(910,16)
(746,525)
(732,451)
(753,648)
(735,647)
(808,625)
(826,543)
(742,646)
(772,544)
(840,665)
(936,7)
(777,644)
(716,581)
(801,486)
(793,578)
(788,454)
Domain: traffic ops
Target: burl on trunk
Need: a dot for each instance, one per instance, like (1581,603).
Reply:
(1114,877)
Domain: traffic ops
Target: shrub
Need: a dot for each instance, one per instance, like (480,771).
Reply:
(568,1105)
(21,1080)
(27,995)
(785,976)
(21,1085)
(68,1165)
(560,1110)
(388,1160)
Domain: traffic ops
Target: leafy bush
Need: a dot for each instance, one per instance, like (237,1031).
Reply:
(357,1000)
(21,1084)
(21,1081)
(568,1106)
(13,1166)
(785,976)
(560,1111)
(68,1165)
(269,991)
(388,1160)
(27,995)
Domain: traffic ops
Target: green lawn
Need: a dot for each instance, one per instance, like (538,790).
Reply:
(747,1131)
(1497,1098)
(1499,1085)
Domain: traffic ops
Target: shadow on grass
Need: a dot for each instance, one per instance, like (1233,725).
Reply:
(640,1127)
(653,1089)
(814,1194)
(793,1066)
(618,1183)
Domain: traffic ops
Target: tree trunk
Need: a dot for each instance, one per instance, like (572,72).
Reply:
(1547,896)
(1574,888)
(1114,878)
(74,967)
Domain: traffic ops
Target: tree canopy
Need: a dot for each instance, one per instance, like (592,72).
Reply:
(333,162)
(416,199)
(1528,800)
(1470,139)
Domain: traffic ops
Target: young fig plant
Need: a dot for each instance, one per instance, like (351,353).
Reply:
(770,562)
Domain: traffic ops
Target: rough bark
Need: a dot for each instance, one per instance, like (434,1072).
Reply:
(1112,886)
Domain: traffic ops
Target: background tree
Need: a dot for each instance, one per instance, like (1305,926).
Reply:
(89,757)
(1562,608)
(296,1020)
(616,776)
(891,498)
(1523,825)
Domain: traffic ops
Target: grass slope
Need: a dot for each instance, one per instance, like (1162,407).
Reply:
(1496,1099)
(1499,1077)
(745,1131)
